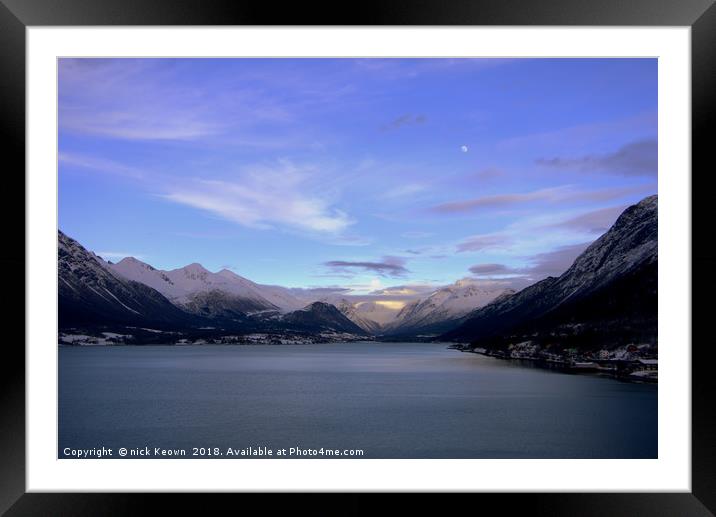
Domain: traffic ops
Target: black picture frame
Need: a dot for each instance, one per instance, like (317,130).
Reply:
(17,15)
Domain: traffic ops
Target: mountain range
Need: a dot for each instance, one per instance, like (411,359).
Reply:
(608,294)
(198,290)
(443,309)
(95,293)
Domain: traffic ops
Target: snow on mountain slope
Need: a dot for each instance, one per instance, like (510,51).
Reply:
(90,293)
(446,304)
(442,307)
(189,286)
(280,297)
(227,294)
(351,310)
(133,269)
(382,312)
(182,285)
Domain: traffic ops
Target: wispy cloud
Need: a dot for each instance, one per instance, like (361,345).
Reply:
(149,100)
(500,200)
(578,136)
(261,196)
(99,165)
(395,68)
(264,197)
(489,269)
(634,159)
(485,242)
(404,120)
(541,265)
(595,221)
(564,194)
(408,290)
(150,126)
(311,292)
(407,190)
(388,267)
(120,99)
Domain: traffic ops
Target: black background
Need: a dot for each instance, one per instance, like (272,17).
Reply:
(16,15)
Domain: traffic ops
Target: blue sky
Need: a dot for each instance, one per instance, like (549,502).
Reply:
(365,173)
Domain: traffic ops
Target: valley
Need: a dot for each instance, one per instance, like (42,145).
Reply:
(605,302)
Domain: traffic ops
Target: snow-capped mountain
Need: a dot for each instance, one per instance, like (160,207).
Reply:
(198,290)
(352,311)
(444,307)
(378,311)
(436,313)
(95,294)
(608,295)
(280,297)
(91,293)
(230,296)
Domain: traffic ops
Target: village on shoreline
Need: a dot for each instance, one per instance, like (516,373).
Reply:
(632,362)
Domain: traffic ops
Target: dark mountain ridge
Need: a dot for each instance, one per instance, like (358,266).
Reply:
(608,297)
(89,294)
(319,317)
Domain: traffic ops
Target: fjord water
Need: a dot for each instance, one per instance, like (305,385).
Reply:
(392,400)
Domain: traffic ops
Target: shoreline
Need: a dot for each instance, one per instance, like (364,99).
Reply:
(594,368)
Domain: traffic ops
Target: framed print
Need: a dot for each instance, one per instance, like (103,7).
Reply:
(433,251)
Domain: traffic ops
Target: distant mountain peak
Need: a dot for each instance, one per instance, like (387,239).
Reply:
(195,267)
(320,306)
(465,282)
(133,262)
(227,273)
(321,316)
(443,308)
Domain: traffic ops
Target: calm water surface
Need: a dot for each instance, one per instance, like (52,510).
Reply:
(392,400)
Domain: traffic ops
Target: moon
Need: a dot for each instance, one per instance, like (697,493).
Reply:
(464,148)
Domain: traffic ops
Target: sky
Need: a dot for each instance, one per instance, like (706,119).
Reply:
(371,175)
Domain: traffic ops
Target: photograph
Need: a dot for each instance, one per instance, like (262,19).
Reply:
(357,258)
